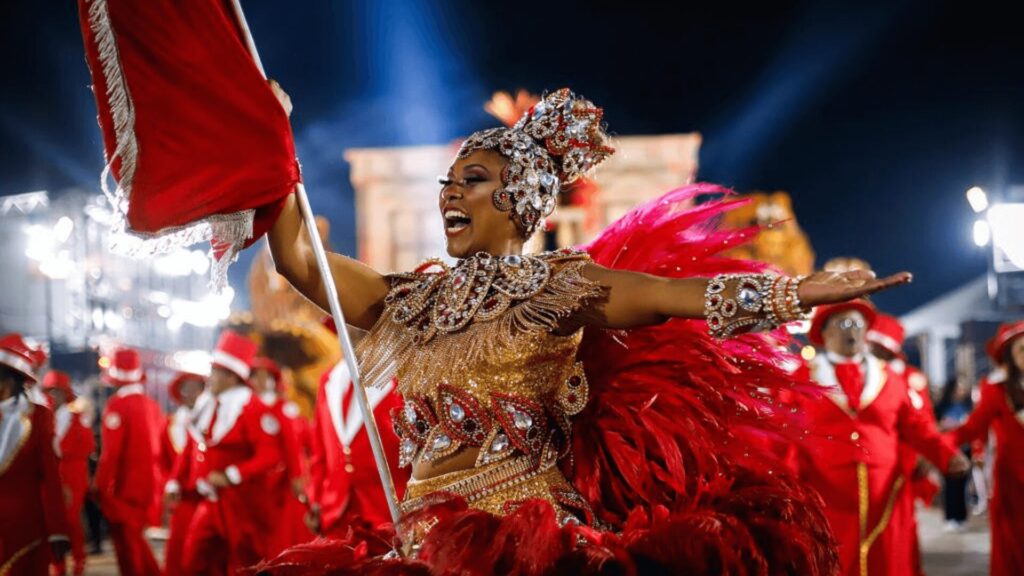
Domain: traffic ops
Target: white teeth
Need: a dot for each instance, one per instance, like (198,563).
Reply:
(455,214)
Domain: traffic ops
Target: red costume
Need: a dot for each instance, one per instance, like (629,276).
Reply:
(31,503)
(125,476)
(234,434)
(175,442)
(289,529)
(887,332)
(74,443)
(344,481)
(852,456)
(994,411)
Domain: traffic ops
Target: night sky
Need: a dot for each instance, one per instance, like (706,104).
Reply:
(875,119)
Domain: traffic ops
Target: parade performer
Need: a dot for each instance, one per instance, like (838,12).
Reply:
(126,474)
(1001,410)
(33,520)
(234,447)
(885,341)
(184,389)
(74,443)
(852,453)
(344,486)
(287,482)
(555,396)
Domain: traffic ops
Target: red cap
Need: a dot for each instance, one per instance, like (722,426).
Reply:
(264,363)
(59,381)
(174,388)
(235,353)
(887,332)
(822,314)
(17,355)
(1007,333)
(125,368)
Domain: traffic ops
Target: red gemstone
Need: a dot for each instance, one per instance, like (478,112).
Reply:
(575,381)
(571,398)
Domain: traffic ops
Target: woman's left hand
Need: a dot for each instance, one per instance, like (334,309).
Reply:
(832,287)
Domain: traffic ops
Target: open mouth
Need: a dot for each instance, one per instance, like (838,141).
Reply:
(456,221)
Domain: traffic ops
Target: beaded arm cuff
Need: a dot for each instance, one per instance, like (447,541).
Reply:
(735,303)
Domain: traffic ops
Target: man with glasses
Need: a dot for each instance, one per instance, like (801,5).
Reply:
(851,453)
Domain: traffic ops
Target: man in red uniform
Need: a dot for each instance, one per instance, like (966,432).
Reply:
(125,474)
(74,444)
(234,448)
(31,504)
(287,481)
(852,454)
(885,340)
(184,390)
(344,484)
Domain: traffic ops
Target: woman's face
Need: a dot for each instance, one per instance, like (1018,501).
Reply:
(1017,353)
(472,223)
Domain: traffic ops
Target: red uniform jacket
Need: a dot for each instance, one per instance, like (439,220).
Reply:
(75,443)
(344,479)
(233,433)
(31,502)
(852,459)
(290,529)
(1006,509)
(125,478)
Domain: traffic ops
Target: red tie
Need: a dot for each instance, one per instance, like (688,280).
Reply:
(851,379)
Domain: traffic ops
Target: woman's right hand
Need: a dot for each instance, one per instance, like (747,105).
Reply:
(282,96)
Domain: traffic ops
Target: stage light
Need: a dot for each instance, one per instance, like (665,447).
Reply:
(978,199)
(982,233)
(1007,231)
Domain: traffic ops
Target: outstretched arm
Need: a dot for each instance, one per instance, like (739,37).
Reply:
(634,299)
(360,288)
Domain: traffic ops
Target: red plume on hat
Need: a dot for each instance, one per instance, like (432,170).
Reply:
(17,355)
(1007,333)
(823,313)
(887,332)
(57,380)
(235,353)
(125,368)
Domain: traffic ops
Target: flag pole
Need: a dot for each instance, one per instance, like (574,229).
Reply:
(372,431)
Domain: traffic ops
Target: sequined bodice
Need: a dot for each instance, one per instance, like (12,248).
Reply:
(477,360)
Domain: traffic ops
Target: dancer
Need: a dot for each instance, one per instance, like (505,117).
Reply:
(75,444)
(185,390)
(1001,409)
(547,426)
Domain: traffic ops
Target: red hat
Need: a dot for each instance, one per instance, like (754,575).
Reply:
(264,363)
(174,388)
(887,332)
(59,381)
(235,353)
(125,368)
(823,313)
(17,355)
(1007,333)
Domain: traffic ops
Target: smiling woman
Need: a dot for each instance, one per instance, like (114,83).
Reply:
(536,420)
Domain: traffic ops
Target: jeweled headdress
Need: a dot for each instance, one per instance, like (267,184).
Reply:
(555,142)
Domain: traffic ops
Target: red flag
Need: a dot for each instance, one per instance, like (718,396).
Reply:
(198,144)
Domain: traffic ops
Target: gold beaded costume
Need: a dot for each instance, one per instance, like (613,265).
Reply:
(479,365)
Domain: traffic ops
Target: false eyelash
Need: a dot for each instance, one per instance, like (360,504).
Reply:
(444,181)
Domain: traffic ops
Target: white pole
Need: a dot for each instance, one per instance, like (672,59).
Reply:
(339,317)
